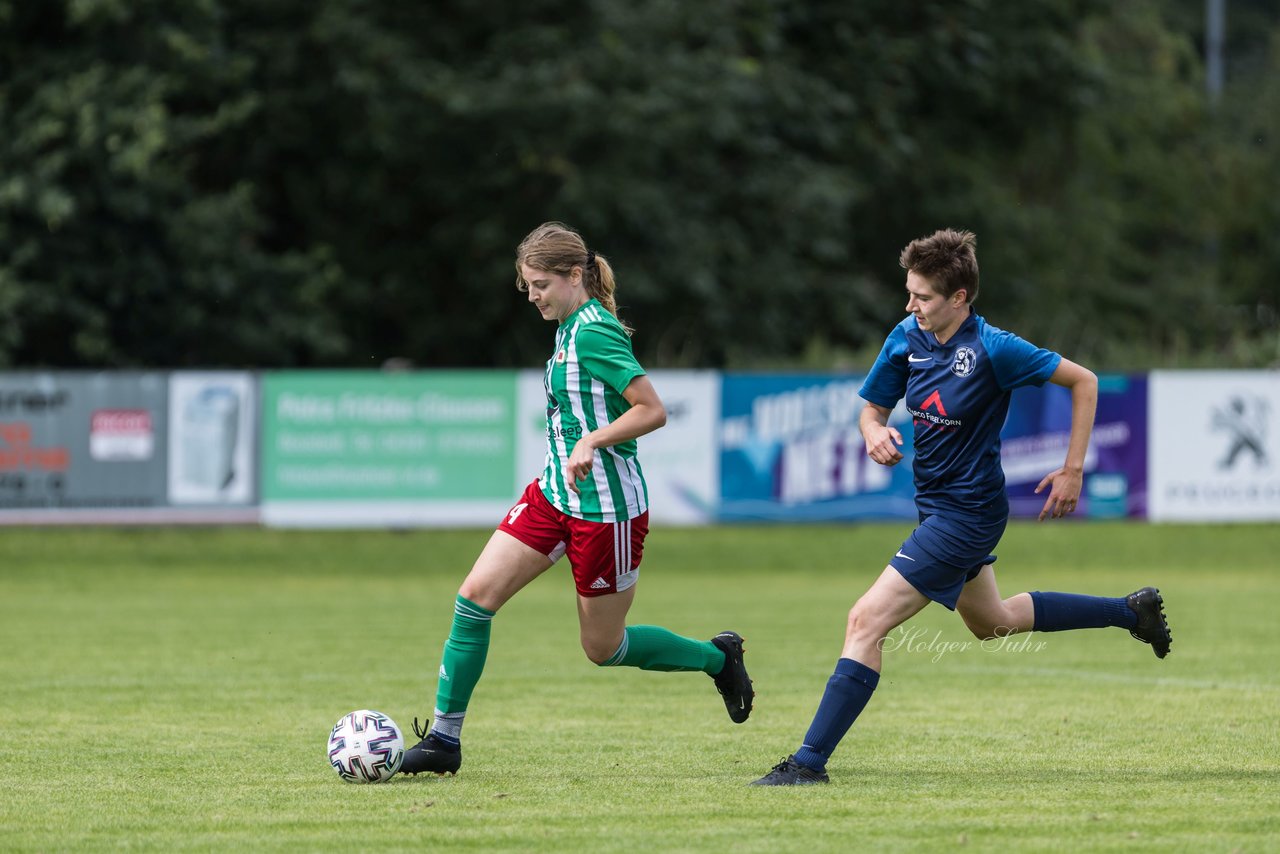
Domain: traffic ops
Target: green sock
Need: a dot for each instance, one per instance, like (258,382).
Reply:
(464,655)
(656,648)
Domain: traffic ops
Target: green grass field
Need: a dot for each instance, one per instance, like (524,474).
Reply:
(173,690)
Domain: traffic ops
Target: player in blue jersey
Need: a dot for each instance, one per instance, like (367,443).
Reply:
(955,373)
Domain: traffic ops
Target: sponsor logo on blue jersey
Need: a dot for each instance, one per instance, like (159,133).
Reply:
(936,420)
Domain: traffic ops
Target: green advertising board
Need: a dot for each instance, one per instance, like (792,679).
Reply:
(370,436)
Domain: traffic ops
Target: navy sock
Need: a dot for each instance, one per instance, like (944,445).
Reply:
(1060,612)
(848,691)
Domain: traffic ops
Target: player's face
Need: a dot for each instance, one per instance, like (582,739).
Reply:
(933,313)
(555,296)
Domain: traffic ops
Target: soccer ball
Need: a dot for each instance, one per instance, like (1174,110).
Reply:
(366,747)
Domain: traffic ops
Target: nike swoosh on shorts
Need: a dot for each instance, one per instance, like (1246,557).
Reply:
(908,557)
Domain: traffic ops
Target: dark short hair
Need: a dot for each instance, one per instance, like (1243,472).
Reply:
(948,258)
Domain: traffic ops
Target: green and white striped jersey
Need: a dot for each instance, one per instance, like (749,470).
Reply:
(592,365)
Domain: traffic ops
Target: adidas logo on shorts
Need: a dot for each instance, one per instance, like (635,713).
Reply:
(599,584)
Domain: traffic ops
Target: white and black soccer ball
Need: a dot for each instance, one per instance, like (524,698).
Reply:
(366,747)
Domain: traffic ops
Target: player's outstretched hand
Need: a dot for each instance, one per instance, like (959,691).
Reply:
(1064,493)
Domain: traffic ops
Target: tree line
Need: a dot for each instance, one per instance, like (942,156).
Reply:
(339,183)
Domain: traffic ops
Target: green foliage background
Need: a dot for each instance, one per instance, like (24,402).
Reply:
(280,183)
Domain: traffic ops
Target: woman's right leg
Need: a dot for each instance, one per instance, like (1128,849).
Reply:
(891,601)
(504,567)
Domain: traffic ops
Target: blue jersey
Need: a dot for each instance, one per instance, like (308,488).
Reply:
(958,396)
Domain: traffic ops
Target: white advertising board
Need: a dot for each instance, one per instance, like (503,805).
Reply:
(1214,450)
(212,431)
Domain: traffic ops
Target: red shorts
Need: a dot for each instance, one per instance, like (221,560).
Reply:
(604,556)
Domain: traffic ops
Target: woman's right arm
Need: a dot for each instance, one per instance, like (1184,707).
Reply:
(882,440)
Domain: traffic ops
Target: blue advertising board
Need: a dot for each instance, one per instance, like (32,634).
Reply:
(790,450)
(1034,443)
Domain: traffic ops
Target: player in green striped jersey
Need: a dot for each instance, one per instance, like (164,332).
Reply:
(590,504)
(592,360)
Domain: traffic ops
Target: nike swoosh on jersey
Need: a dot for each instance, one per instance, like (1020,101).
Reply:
(908,557)
(911,358)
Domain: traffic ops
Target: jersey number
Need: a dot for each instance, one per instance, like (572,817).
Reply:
(515,513)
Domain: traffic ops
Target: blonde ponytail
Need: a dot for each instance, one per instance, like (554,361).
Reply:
(557,248)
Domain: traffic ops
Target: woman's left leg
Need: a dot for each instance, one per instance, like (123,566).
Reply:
(989,616)
(609,641)
(605,557)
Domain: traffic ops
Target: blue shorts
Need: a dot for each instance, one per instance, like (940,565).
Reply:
(943,554)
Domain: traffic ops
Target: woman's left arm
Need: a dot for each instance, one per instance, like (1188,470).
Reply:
(645,415)
(1065,483)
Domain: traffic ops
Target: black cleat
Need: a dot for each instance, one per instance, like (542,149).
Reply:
(732,682)
(789,772)
(1152,628)
(431,754)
